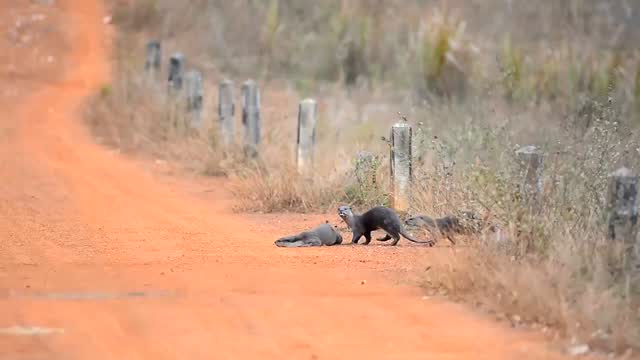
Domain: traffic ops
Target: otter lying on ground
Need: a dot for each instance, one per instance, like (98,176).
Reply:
(379,217)
(324,234)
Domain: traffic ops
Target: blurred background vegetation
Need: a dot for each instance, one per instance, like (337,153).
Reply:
(547,51)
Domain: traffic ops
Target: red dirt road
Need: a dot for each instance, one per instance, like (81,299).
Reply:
(124,264)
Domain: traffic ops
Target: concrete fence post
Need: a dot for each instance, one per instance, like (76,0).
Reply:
(307,119)
(623,205)
(174,90)
(530,160)
(153,59)
(251,117)
(176,73)
(195,95)
(623,216)
(401,168)
(226,111)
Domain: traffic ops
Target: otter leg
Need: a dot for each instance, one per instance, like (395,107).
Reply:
(356,237)
(387,237)
(396,238)
(288,240)
(367,238)
(310,241)
(301,240)
(451,239)
(437,234)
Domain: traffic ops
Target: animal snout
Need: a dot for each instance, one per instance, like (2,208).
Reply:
(343,211)
(411,222)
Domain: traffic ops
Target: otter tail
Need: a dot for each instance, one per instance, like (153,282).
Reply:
(408,237)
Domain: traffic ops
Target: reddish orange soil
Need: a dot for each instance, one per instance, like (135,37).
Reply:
(81,226)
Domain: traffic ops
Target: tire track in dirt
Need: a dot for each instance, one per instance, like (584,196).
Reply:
(78,220)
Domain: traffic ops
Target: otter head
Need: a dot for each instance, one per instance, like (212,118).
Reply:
(415,221)
(346,214)
(336,233)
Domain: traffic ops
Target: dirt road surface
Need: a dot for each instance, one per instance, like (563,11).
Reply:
(102,259)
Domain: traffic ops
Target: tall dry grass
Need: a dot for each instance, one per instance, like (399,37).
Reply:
(476,81)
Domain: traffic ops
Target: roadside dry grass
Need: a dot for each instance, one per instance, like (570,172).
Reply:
(476,82)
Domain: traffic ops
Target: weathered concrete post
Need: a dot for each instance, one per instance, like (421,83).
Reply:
(153,60)
(193,82)
(226,111)
(530,160)
(623,206)
(176,72)
(401,169)
(174,90)
(307,118)
(251,117)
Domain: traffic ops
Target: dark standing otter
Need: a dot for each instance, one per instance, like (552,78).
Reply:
(324,234)
(379,217)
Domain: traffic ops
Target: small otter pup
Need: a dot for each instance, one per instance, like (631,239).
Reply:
(446,226)
(379,217)
(324,234)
